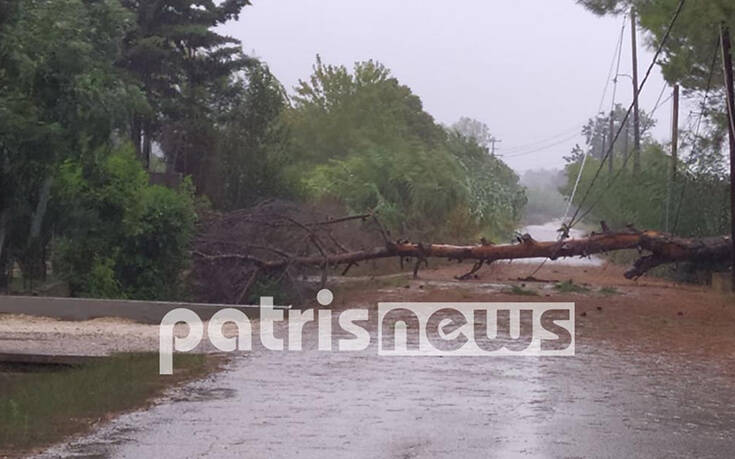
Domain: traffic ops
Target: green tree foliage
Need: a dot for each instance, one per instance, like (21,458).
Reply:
(695,204)
(495,200)
(182,65)
(689,50)
(60,97)
(598,137)
(364,138)
(76,76)
(63,101)
(691,57)
(121,237)
(252,142)
(475,130)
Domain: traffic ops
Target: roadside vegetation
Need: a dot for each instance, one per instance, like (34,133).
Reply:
(607,291)
(569,286)
(690,198)
(38,408)
(102,103)
(520,290)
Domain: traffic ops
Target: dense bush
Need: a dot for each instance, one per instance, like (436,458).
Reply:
(120,236)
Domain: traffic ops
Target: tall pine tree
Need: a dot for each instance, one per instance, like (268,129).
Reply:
(179,60)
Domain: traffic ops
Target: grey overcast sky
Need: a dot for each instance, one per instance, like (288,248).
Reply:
(533,70)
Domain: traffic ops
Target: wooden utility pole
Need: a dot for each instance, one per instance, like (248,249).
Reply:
(636,115)
(602,145)
(612,143)
(626,144)
(493,141)
(674,153)
(730,92)
(675,134)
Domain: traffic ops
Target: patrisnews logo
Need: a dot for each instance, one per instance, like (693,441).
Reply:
(476,329)
(484,329)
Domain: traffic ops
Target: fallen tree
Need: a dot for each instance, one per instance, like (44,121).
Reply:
(318,247)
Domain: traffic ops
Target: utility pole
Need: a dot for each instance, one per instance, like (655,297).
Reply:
(493,141)
(674,153)
(675,134)
(612,143)
(730,92)
(602,145)
(636,115)
(626,144)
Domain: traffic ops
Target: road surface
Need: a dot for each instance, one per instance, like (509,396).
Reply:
(628,393)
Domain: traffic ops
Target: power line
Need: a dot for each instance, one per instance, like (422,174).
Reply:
(542,148)
(576,217)
(534,144)
(658,99)
(616,54)
(660,105)
(618,50)
(617,67)
(612,100)
(519,150)
(696,132)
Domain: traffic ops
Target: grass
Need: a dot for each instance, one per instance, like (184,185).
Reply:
(517,290)
(609,291)
(570,287)
(40,408)
(361,285)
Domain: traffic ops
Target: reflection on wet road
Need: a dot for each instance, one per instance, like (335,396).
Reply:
(600,403)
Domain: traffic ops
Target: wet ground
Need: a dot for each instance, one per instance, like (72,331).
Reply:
(649,379)
(598,404)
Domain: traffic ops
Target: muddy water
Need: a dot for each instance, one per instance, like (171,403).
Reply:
(313,404)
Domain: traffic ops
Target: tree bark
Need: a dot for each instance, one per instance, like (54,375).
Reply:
(664,248)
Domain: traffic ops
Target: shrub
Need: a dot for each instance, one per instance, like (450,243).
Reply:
(121,236)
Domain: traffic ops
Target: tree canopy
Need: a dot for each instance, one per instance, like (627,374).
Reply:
(363,138)
(95,95)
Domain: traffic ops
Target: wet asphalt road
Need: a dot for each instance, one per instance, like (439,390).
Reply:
(315,404)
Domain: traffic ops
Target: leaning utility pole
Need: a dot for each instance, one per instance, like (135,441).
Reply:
(636,115)
(730,93)
(675,134)
(612,144)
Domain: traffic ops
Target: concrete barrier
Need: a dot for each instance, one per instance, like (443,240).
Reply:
(147,312)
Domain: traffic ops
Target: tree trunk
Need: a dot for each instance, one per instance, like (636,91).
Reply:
(43,198)
(147,145)
(664,248)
